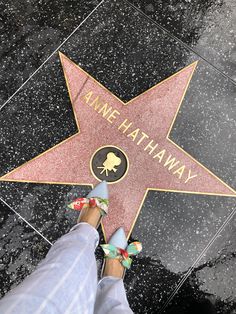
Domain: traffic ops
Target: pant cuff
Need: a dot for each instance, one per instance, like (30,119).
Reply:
(87,228)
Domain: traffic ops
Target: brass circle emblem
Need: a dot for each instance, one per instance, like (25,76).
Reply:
(109,163)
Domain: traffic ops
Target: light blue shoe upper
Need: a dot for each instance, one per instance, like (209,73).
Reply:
(100,190)
(118,239)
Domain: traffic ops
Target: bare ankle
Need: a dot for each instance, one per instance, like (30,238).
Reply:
(91,215)
(114,268)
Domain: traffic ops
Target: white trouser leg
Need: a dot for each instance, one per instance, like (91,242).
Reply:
(111,297)
(64,282)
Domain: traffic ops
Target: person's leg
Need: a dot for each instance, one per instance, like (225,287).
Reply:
(111,296)
(59,283)
(66,280)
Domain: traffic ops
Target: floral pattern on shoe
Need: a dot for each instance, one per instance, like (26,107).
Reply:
(83,202)
(112,251)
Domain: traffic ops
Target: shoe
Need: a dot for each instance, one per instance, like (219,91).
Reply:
(118,239)
(117,254)
(100,190)
(94,206)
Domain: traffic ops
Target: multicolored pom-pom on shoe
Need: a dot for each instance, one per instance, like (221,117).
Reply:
(118,250)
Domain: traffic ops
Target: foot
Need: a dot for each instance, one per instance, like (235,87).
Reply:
(113,266)
(117,254)
(94,206)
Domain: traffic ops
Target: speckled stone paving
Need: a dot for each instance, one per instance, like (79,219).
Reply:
(178,193)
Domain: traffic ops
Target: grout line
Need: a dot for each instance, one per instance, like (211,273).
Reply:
(226,222)
(12,209)
(182,42)
(150,19)
(36,71)
(188,48)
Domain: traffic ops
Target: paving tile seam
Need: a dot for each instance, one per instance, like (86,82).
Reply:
(185,277)
(28,223)
(146,16)
(182,43)
(48,58)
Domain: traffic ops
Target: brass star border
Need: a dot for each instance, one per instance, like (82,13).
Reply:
(125,104)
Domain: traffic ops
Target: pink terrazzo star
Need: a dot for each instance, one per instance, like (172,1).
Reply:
(124,125)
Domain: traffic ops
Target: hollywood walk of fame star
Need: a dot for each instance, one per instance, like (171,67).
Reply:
(103,120)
